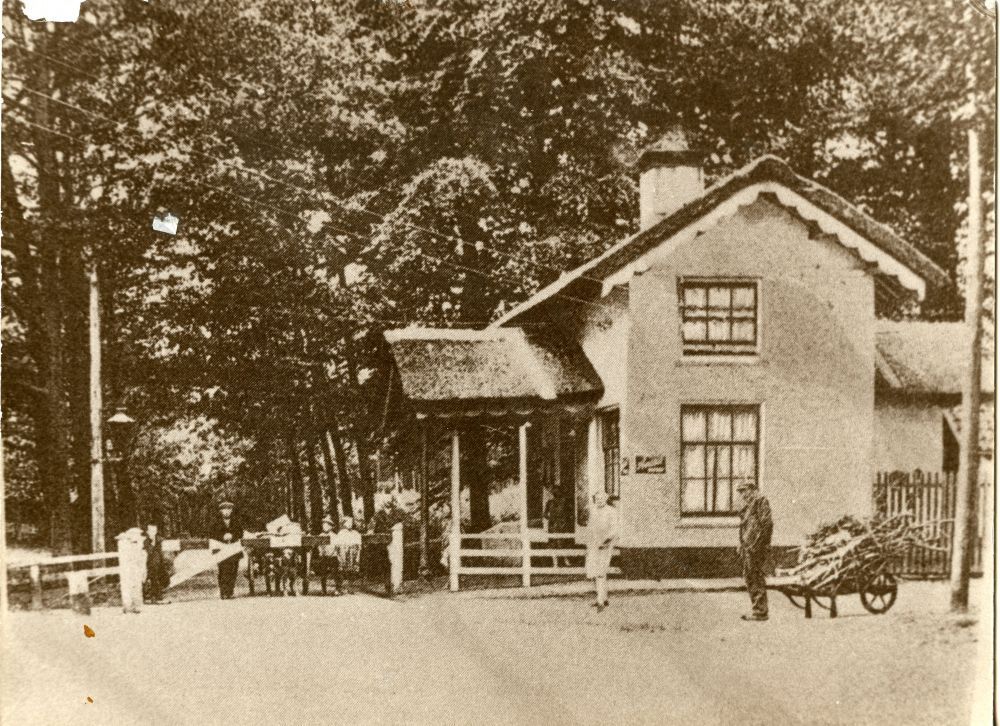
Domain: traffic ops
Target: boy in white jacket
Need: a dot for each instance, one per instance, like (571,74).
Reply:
(602,534)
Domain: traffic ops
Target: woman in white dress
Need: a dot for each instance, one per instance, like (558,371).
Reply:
(602,534)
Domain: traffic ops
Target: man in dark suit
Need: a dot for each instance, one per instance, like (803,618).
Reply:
(755,545)
(227,529)
(157,574)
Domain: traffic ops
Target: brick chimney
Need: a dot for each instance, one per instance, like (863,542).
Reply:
(670,176)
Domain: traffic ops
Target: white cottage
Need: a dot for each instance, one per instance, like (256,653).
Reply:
(733,337)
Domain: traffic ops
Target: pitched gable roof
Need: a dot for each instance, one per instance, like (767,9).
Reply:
(447,365)
(921,357)
(770,174)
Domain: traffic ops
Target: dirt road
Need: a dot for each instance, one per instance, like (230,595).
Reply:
(680,658)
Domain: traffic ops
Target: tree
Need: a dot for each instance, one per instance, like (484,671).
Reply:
(343,168)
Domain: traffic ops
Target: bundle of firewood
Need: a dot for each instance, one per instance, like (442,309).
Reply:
(853,549)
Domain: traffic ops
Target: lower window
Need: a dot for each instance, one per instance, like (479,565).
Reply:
(719,449)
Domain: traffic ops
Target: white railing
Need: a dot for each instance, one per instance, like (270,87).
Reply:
(78,581)
(517,555)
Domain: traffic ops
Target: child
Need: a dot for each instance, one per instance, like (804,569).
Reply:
(286,572)
(327,565)
(602,533)
(131,568)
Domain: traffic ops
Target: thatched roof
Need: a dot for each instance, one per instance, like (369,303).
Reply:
(765,169)
(922,357)
(447,365)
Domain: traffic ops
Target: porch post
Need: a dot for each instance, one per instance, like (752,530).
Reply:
(424,504)
(455,543)
(522,473)
(557,478)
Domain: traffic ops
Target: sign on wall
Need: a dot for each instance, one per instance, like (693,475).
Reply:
(650,464)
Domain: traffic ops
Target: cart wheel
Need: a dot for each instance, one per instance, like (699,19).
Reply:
(880,593)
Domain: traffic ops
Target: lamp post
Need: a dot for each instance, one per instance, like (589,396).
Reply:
(121,432)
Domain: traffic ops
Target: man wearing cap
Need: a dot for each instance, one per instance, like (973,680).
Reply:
(755,542)
(227,529)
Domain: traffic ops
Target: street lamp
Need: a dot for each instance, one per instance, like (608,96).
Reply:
(121,431)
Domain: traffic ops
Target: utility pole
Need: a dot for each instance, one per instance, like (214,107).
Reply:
(967,487)
(96,420)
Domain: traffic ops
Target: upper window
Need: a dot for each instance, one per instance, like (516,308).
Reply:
(612,452)
(719,317)
(719,449)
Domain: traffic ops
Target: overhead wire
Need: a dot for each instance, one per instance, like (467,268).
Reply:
(347,207)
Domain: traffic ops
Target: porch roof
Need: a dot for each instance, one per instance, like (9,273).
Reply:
(441,365)
(922,357)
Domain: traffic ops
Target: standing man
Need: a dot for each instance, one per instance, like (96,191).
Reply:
(755,544)
(227,529)
(157,577)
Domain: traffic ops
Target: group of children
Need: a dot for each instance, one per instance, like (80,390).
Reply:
(340,558)
(337,560)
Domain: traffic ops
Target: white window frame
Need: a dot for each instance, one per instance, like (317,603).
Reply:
(729,349)
(731,443)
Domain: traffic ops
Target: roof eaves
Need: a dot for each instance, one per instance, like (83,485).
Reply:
(765,168)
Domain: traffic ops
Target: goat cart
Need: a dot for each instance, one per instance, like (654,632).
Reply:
(876,588)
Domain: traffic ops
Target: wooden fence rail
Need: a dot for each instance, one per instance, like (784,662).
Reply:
(929,497)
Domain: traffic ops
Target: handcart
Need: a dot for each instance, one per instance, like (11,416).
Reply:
(877,589)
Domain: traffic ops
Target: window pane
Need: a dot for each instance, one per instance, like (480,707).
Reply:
(723,455)
(693,425)
(694,296)
(718,329)
(609,429)
(744,297)
(694,461)
(693,495)
(744,331)
(720,426)
(745,426)
(695,331)
(724,496)
(718,297)
(744,461)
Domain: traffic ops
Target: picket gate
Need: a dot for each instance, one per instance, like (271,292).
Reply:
(929,497)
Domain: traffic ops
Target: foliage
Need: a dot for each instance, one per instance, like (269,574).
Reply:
(342,168)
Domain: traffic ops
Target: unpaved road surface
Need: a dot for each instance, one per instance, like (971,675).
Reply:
(662,658)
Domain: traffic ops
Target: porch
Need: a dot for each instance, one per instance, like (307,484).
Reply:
(483,415)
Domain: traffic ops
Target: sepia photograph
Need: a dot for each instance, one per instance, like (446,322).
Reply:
(515,362)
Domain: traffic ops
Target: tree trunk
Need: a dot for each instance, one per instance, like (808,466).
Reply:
(298,507)
(315,490)
(361,426)
(367,477)
(344,482)
(331,478)
(54,458)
